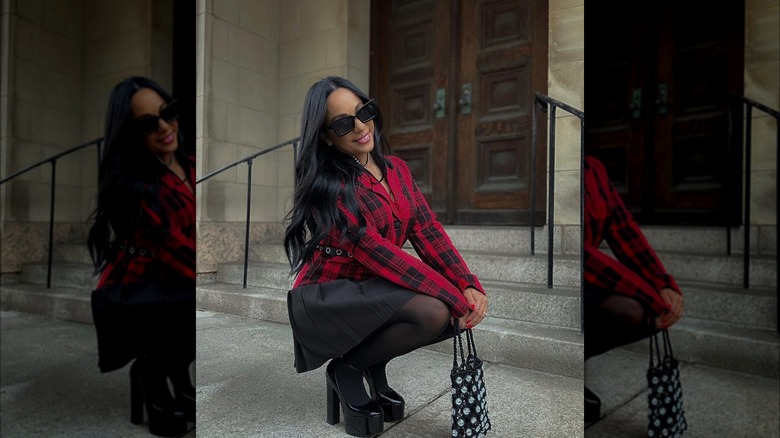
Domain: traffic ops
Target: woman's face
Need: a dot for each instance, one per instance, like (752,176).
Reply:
(358,142)
(164,140)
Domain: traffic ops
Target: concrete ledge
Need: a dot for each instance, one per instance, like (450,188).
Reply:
(722,345)
(253,302)
(725,270)
(751,307)
(268,281)
(534,303)
(64,274)
(526,345)
(58,302)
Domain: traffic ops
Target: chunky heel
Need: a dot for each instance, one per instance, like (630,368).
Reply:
(333,405)
(363,420)
(149,391)
(136,403)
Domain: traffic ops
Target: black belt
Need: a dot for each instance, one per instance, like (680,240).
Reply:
(136,251)
(328,250)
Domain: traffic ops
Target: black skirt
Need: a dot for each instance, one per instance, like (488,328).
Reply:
(329,319)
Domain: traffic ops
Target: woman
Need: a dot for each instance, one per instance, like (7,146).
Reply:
(358,297)
(142,242)
(627,298)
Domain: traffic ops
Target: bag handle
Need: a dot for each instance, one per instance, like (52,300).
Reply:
(470,342)
(667,343)
(456,340)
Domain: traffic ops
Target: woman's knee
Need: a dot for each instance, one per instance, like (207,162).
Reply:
(432,313)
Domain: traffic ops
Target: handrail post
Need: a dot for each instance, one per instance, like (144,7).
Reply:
(551,199)
(51,222)
(582,220)
(748,166)
(777,222)
(248,213)
(533,174)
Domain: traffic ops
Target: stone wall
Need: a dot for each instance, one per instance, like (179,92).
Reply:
(60,60)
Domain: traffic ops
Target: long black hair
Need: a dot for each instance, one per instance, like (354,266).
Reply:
(128,175)
(323,175)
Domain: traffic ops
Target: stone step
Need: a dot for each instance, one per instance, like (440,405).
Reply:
(755,307)
(72,304)
(71,252)
(726,270)
(259,274)
(526,302)
(63,274)
(514,240)
(722,345)
(485,265)
(541,347)
(534,303)
(524,269)
(268,304)
(710,240)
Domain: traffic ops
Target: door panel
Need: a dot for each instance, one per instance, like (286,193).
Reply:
(473,162)
(415,33)
(658,106)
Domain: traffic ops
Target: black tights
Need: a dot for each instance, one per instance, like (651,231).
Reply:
(421,321)
(615,321)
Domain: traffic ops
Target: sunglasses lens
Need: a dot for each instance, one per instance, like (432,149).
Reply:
(147,125)
(170,112)
(343,125)
(367,112)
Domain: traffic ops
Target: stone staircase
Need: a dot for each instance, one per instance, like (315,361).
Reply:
(724,325)
(72,282)
(530,326)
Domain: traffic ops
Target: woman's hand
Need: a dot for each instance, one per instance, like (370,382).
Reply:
(478,304)
(674,314)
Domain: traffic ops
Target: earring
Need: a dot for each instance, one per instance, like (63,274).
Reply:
(328,142)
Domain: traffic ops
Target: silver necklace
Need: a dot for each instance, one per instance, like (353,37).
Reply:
(358,161)
(168,164)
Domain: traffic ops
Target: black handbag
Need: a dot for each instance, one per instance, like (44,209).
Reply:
(143,317)
(666,417)
(469,396)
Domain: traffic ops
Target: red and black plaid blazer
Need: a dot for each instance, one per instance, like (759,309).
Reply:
(172,257)
(439,272)
(637,272)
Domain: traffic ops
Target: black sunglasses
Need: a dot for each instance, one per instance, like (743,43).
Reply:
(344,125)
(148,124)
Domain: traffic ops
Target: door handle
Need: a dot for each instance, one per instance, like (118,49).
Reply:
(636,103)
(465,99)
(662,99)
(440,103)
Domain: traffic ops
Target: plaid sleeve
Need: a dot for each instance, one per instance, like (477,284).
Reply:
(637,272)
(631,247)
(391,262)
(606,273)
(434,246)
(177,251)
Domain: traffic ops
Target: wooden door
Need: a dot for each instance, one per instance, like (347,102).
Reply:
(657,102)
(472,157)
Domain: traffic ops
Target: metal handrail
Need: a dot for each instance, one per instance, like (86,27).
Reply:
(248,160)
(749,104)
(53,160)
(542,102)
